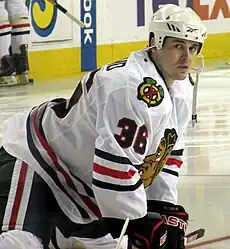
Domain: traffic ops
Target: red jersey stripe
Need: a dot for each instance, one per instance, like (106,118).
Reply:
(174,161)
(24,25)
(112,172)
(4,26)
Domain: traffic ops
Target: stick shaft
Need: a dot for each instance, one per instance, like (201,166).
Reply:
(65,11)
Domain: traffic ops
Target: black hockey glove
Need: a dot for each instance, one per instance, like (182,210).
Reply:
(148,232)
(176,219)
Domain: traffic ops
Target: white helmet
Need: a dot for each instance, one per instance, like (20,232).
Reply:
(175,21)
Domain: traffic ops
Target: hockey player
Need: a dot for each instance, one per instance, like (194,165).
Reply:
(14,39)
(83,164)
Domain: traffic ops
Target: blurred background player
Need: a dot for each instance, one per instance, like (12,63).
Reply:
(14,39)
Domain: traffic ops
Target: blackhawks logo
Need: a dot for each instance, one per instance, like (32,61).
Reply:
(153,164)
(149,92)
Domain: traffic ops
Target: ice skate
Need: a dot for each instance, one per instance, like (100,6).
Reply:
(7,72)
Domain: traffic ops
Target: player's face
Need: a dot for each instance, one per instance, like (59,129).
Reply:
(176,58)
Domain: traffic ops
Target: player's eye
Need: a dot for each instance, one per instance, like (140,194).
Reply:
(193,49)
(179,46)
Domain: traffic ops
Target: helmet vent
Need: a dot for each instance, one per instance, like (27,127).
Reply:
(172,27)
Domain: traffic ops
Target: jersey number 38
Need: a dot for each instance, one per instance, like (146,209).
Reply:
(132,135)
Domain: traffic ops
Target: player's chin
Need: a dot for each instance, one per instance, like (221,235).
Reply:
(181,75)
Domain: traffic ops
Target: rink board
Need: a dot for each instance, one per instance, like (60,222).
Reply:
(113,29)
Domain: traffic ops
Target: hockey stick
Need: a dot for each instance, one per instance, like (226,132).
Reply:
(195,90)
(122,233)
(63,10)
(195,235)
(194,101)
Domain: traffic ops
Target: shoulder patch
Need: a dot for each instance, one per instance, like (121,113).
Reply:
(149,92)
(154,163)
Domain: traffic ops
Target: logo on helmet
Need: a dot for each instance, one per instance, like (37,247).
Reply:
(149,92)
(191,30)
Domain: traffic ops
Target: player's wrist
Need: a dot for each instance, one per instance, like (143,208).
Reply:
(144,233)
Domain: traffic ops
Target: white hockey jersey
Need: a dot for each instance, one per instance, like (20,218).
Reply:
(121,131)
